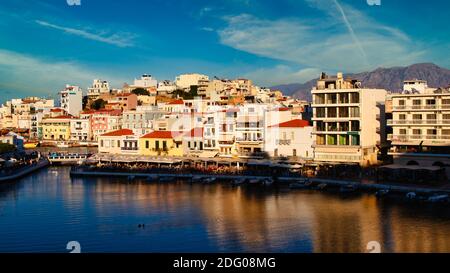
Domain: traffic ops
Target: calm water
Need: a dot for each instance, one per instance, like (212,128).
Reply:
(43,212)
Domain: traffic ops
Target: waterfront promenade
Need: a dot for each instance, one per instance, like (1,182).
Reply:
(25,170)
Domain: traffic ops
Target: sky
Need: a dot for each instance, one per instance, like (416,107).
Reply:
(45,44)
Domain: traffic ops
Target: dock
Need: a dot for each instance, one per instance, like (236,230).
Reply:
(25,171)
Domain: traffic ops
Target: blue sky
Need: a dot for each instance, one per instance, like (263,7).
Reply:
(47,43)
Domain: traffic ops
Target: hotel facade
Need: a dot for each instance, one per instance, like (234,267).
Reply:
(349,123)
(421,126)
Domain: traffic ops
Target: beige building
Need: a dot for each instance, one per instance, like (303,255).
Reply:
(185,81)
(421,126)
(348,121)
(116,142)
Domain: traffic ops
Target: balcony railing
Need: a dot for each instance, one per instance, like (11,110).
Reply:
(243,139)
(407,138)
(422,107)
(284,142)
(418,121)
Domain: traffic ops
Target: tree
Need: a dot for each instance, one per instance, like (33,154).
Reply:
(85,101)
(141,92)
(98,104)
(191,94)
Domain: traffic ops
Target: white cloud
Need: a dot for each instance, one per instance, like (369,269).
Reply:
(29,75)
(282,74)
(118,39)
(347,40)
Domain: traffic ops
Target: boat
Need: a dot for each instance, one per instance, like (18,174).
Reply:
(167,179)
(62,145)
(322,186)
(411,195)
(196,179)
(438,198)
(268,182)
(382,193)
(239,182)
(254,181)
(347,189)
(209,180)
(152,178)
(30,145)
(131,177)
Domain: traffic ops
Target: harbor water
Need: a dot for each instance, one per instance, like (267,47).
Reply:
(44,211)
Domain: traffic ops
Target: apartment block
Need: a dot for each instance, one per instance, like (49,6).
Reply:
(420,125)
(348,121)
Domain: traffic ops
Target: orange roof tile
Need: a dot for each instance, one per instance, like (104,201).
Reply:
(176,102)
(121,132)
(195,132)
(162,134)
(295,123)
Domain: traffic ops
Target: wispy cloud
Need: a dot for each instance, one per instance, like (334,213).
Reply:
(123,39)
(348,41)
(282,74)
(29,75)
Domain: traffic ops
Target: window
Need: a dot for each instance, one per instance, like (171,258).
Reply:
(401,102)
(402,131)
(354,98)
(164,145)
(118,143)
(417,132)
(157,145)
(147,144)
(101,143)
(417,102)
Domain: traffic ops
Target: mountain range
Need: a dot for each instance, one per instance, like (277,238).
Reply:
(390,79)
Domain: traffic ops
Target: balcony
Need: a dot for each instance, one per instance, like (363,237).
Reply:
(283,142)
(415,138)
(421,107)
(243,139)
(418,122)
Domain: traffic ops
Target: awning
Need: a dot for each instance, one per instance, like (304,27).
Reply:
(208,154)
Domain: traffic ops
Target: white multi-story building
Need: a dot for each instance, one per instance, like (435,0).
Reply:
(141,121)
(80,130)
(250,127)
(146,81)
(98,88)
(348,121)
(166,87)
(71,99)
(421,126)
(185,81)
(292,138)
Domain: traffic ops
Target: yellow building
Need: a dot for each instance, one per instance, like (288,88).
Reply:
(161,143)
(56,128)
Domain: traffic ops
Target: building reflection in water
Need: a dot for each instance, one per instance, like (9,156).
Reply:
(220,218)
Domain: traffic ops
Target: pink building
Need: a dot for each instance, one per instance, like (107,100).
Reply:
(103,121)
(126,102)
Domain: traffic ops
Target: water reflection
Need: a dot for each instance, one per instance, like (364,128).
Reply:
(43,212)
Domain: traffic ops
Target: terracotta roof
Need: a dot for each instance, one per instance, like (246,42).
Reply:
(295,123)
(125,95)
(282,109)
(196,132)
(121,132)
(176,102)
(56,110)
(162,134)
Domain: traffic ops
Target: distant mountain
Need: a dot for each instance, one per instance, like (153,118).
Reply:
(390,79)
